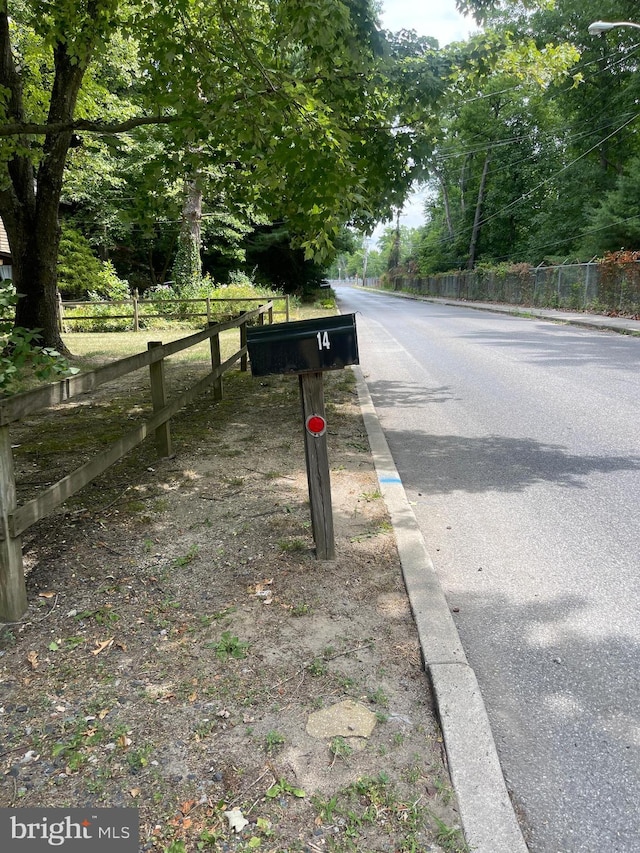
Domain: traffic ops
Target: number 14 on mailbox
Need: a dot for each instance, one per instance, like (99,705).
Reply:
(308,348)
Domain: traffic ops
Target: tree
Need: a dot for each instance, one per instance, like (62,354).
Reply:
(292,99)
(583,126)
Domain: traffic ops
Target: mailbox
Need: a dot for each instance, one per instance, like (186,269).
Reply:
(304,346)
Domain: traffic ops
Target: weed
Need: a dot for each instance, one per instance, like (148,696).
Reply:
(346,682)
(444,791)
(317,668)
(301,610)
(191,554)
(75,750)
(138,759)
(292,545)
(412,773)
(379,697)
(284,787)
(374,495)
(228,646)
(450,838)
(274,741)
(102,615)
(7,637)
(207,837)
(339,748)
(326,808)
(398,739)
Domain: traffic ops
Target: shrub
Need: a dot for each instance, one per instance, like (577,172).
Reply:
(21,356)
(81,273)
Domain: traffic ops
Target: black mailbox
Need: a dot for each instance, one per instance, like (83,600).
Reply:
(305,346)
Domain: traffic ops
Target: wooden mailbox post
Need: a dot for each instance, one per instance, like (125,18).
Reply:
(309,348)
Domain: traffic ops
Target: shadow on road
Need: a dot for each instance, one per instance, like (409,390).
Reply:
(439,464)
(574,699)
(557,346)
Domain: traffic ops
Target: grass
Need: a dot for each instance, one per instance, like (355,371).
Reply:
(374,801)
(89,347)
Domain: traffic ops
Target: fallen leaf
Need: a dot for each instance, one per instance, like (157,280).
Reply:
(102,714)
(46,594)
(32,658)
(134,792)
(124,741)
(100,647)
(186,807)
(166,697)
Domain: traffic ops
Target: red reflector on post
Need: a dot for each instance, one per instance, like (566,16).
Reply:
(316,425)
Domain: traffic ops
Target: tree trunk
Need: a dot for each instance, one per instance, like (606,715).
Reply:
(34,256)
(473,245)
(29,204)
(187,267)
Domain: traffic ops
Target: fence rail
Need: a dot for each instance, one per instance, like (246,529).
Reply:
(15,520)
(136,304)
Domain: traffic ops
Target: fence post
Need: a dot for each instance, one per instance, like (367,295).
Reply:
(159,401)
(270,313)
(208,310)
(60,313)
(261,316)
(136,315)
(13,590)
(287,307)
(243,345)
(216,361)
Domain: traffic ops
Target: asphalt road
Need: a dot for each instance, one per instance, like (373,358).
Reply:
(518,443)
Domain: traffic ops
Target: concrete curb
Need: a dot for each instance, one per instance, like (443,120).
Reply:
(488,819)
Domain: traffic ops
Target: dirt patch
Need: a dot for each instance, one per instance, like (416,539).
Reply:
(181,633)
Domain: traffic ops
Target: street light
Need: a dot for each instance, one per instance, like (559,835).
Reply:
(597,28)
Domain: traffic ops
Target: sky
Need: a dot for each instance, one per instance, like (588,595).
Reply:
(437,18)
(441,20)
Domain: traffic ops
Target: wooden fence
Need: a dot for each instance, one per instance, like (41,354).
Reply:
(135,304)
(15,520)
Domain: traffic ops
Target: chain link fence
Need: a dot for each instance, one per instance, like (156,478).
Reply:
(577,287)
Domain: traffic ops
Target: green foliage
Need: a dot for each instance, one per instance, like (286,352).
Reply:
(163,306)
(274,742)
(21,354)
(82,275)
(229,646)
(282,787)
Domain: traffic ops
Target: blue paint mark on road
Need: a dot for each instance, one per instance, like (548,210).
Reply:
(390,480)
